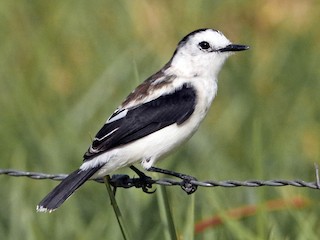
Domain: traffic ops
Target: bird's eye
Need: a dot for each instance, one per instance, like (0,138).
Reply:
(204,45)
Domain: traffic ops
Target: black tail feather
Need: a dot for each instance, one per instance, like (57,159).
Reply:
(64,190)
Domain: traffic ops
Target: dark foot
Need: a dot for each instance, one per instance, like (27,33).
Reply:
(144,182)
(186,185)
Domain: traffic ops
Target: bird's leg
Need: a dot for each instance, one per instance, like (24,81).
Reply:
(137,171)
(144,180)
(187,186)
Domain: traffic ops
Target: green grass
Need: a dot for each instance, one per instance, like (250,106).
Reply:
(65,66)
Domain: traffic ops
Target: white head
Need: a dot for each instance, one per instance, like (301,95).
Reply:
(202,53)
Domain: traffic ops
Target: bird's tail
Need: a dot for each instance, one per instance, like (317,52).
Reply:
(64,190)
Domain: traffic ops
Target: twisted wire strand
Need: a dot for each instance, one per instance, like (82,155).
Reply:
(124,181)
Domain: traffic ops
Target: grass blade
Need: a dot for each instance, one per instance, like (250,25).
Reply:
(116,209)
(165,214)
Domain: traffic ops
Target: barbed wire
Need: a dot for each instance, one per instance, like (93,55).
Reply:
(124,181)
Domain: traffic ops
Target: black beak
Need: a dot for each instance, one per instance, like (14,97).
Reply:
(234,48)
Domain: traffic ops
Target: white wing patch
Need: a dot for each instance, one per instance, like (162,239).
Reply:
(107,135)
(121,114)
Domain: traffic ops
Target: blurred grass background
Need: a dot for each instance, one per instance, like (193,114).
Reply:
(65,66)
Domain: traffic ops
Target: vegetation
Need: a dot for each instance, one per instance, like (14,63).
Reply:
(65,66)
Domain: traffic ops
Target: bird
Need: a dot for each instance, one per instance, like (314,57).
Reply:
(159,115)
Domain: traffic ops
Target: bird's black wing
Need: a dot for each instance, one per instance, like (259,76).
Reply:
(127,125)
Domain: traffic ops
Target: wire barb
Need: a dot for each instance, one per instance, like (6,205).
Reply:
(124,181)
(317,175)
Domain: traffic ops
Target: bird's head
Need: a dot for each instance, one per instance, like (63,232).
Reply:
(203,52)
